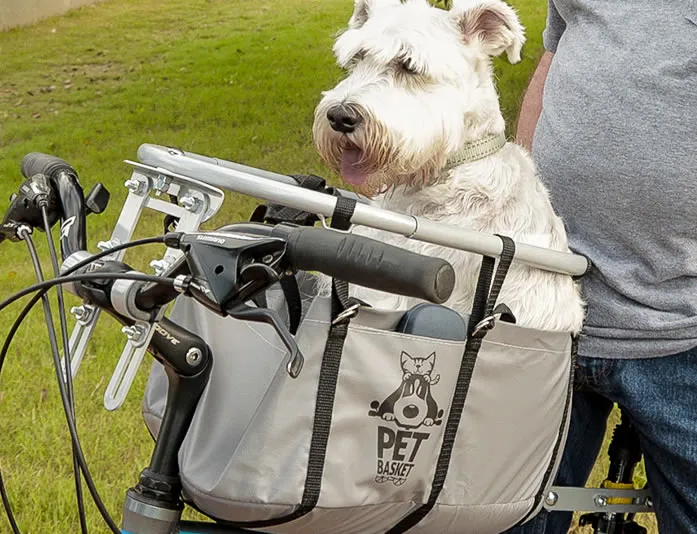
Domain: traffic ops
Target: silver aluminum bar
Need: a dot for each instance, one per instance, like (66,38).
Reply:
(284,192)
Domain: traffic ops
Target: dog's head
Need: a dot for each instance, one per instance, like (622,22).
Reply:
(418,85)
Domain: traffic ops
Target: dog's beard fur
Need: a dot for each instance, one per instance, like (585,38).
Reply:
(386,161)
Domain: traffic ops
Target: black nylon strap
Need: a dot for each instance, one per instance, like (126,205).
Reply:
(560,439)
(326,388)
(324,408)
(341,220)
(464,378)
(343,211)
(507,255)
(278,213)
(483,305)
(481,293)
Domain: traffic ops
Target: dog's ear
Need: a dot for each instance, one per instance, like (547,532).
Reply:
(362,9)
(493,23)
(361,12)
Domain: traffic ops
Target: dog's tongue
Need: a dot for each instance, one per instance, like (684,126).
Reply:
(350,171)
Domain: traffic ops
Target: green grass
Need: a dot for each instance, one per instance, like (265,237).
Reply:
(236,79)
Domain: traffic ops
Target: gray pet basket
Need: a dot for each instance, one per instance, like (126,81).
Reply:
(329,452)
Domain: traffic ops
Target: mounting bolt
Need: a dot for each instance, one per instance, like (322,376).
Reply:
(600,500)
(161,184)
(133,185)
(78,311)
(649,502)
(160,266)
(190,203)
(81,313)
(133,333)
(193,356)
(551,498)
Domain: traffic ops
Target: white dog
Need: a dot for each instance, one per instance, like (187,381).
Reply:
(416,124)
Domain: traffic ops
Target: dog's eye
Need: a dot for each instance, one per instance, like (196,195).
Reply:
(407,67)
(355,59)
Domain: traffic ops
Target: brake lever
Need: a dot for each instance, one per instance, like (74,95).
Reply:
(271,317)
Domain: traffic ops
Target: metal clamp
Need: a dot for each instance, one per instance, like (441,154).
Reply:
(569,499)
(139,336)
(199,201)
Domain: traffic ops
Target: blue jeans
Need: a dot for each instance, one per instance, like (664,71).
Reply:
(660,397)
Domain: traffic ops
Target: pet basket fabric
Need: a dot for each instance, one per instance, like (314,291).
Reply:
(329,452)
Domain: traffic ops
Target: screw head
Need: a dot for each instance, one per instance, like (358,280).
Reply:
(190,203)
(130,331)
(193,356)
(159,266)
(106,245)
(600,500)
(161,182)
(551,498)
(133,333)
(79,312)
(82,313)
(133,185)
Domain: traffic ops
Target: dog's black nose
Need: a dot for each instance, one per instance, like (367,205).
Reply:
(343,118)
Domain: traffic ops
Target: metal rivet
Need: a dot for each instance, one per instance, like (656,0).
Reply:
(193,356)
(600,500)
(551,498)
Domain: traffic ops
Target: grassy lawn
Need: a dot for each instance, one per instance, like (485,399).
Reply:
(236,79)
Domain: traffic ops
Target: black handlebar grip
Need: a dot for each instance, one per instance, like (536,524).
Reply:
(369,263)
(38,163)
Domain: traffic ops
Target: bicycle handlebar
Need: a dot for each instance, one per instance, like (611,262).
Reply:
(369,263)
(38,163)
(215,268)
(71,198)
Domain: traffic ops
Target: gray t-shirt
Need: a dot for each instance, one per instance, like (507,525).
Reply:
(616,144)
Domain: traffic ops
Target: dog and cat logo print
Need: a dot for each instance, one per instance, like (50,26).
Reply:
(407,417)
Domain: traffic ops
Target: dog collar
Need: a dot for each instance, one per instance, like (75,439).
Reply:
(475,150)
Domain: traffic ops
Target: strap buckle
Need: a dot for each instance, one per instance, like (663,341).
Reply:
(323,220)
(501,312)
(348,313)
(485,324)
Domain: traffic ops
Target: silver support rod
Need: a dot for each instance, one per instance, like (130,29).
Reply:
(285,191)
(158,155)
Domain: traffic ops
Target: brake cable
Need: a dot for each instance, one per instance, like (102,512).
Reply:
(3,354)
(66,351)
